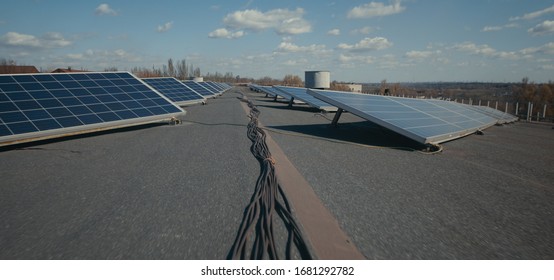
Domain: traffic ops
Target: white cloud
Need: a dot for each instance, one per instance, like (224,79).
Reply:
(364,30)
(48,40)
(353,59)
(375,9)
(492,28)
(475,49)
(104,10)
(105,56)
(498,28)
(544,28)
(485,50)
(419,55)
(165,27)
(536,14)
(544,49)
(282,21)
(334,32)
(290,47)
(292,62)
(224,33)
(367,44)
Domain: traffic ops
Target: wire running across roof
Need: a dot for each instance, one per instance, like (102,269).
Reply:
(40,106)
(302,95)
(199,89)
(175,91)
(426,121)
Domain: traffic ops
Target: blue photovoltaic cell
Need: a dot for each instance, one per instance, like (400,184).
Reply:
(199,88)
(302,95)
(218,86)
(40,104)
(174,90)
(210,87)
(423,120)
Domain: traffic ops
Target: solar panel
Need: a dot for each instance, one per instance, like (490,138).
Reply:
(226,86)
(218,86)
(199,88)
(270,91)
(175,91)
(255,87)
(211,88)
(302,95)
(502,117)
(40,106)
(423,120)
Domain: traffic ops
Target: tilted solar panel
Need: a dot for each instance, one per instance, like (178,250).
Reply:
(218,86)
(274,92)
(302,95)
(425,121)
(199,88)
(175,91)
(210,87)
(270,91)
(502,117)
(39,106)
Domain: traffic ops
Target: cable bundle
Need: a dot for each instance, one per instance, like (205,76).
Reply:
(268,199)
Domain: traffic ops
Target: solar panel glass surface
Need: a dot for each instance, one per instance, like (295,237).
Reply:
(45,103)
(218,86)
(501,116)
(199,88)
(210,87)
(174,90)
(425,121)
(302,95)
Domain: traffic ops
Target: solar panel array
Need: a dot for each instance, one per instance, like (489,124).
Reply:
(273,92)
(199,89)
(37,106)
(423,120)
(302,95)
(175,91)
(502,117)
(270,91)
(217,86)
(210,87)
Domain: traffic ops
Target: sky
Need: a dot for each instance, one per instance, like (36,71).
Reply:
(357,41)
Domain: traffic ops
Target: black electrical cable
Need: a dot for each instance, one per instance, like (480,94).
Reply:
(268,198)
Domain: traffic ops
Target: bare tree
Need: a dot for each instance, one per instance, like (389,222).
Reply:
(170,68)
(182,70)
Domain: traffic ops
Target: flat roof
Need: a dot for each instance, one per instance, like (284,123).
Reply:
(179,191)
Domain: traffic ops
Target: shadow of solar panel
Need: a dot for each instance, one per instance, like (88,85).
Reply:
(425,121)
(40,106)
(174,90)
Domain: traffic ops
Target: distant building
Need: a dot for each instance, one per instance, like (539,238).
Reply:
(67,70)
(352,87)
(17,69)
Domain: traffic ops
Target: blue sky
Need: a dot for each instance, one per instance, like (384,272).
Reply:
(358,41)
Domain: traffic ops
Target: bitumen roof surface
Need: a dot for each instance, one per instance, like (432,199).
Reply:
(180,191)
